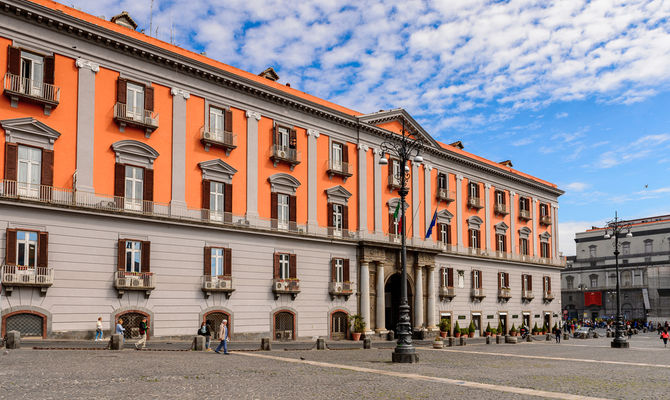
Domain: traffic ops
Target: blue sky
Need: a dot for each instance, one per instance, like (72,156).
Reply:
(574,92)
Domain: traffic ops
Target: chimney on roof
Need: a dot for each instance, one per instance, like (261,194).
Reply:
(124,20)
(288,84)
(457,144)
(507,163)
(270,74)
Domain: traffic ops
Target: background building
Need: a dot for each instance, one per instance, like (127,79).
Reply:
(589,279)
(144,180)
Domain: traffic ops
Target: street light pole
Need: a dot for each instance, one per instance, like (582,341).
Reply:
(615,228)
(405,149)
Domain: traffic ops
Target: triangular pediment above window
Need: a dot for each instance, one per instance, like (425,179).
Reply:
(217,170)
(29,131)
(393,203)
(383,117)
(134,152)
(444,216)
(501,228)
(544,236)
(338,194)
(524,232)
(283,183)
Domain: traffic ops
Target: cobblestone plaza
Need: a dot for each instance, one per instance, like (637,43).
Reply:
(575,369)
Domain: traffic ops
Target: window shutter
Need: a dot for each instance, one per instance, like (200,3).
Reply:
(11,161)
(227,262)
(43,249)
(276,265)
(530,282)
(479,240)
(207,262)
(121,251)
(442,272)
(390,168)
(49,69)
(333,272)
(330,215)
(47,167)
(448,227)
(391,227)
(10,249)
(472,279)
(480,280)
(275,134)
(14,60)
(507,279)
(146,256)
(228,121)
(292,273)
(499,280)
(148,184)
(497,242)
(119,180)
(293,139)
(440,228)
(292,208)
(345,272)
(205,193)
(548,284)
(148,98)
(450,277)
(273,206)
(345,153)
(121,88)
(228,197)
(544,285)
(345,217)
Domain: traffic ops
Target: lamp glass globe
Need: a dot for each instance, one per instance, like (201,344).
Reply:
(607,236)
(629,234)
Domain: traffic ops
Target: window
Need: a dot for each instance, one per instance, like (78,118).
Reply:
(30,171)
(133,256)
(544,250)
(546,282)
(500,197)
(625,248)
(504,280)
(448,277)
(337,217)
(216,120)
(32,72)
(474,236)
(524,204)
(284,266)
(592,251)
(395,172)
(339,270)
(396,225)
(523,246)
(501,242)
(336,155)
(626,277)
(444,233)
(441,181)
(26,248)
(134,184)
(282,211)
(216,200)
(570,281)
(594,281)
(135,101)
(461,278)
(648,245)
(526,282)
(476,279)
(544,210)
(283,136)
(217,261)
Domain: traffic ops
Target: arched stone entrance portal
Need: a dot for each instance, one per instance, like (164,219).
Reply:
(392,300)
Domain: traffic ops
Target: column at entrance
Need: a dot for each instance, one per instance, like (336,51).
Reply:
(430,301)
(418,298)
(380,310)
(365,293)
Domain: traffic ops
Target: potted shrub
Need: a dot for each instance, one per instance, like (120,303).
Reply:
(535,329)
(457,330)
(438,343)
(357,325)
(499,331)
(512,330)
(444,327)
(471,329)
(465,332)
(488,329)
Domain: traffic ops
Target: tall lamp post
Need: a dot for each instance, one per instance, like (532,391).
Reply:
(616,228)
(404,149)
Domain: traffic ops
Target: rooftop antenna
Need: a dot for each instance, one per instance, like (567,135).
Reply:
(151,18)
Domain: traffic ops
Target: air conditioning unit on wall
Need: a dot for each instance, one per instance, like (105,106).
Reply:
(338,288)
(121,282)
(279,285)
(223,284)
(209,284)
(281,153)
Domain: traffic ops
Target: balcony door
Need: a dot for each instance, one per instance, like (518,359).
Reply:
(216,201)
(336,156)
(30,171)
(32,74)
(216,120)
(135,101)
(283,138)
(337,219)
(282,211)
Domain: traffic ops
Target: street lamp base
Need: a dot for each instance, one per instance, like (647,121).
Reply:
(620,344)
(404,358)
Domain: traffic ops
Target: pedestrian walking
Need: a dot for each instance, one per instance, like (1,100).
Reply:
(205,331)
(144,327)
(664,337)
(629,332)
(558,335)
(223,335)
(120,330)
(98,329)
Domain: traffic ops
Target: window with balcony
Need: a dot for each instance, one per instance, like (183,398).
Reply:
(285,275)
(30,171)
(134,176)
(134,187)
(283,200)
(217,271)
(217,190)
(570,282)
(524,208)
(594,281)
(442,181)
(133,267)
(26,260)
(338,211)
(133,251)
(527,287)
(503,278)
(476,279)
(394,174)
(395,219)
(544,250)
(340,285)
(135,106)
(446,289)
(30,77)
(284,146)
(284,270)
(501,242)
(443,192)
(500,206)
(283,210)
(545,217)
(218,131)
(626,278)
(338,163)
(474,201)
(546,289)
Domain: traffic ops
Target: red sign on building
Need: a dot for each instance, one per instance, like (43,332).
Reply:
(593,299)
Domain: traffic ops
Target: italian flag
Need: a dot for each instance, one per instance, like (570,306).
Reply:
(395,216)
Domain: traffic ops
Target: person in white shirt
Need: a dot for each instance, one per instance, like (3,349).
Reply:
(98,329)
(223,335)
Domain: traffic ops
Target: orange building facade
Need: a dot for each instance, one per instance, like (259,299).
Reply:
(143,180)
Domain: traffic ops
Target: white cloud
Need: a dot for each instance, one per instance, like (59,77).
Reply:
(561,115)
(576,186)
(641,148)
(566,234)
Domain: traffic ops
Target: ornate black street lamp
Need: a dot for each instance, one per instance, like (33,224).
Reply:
(404,148)
(615,228)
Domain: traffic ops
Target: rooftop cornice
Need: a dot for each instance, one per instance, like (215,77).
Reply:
(66,24)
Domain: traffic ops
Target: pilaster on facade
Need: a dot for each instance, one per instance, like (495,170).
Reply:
(178,199)
(487,215)
(416,222)
(512,221)
(312,136)
(430,299)
(554,238)
(362,187)
(378,190)
(83,180)
(418,297)
(459,211)
(428,196)
(380,303)
(364,291)
(253,117)
(536,238)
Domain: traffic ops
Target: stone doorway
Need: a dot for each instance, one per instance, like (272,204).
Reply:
(392,295)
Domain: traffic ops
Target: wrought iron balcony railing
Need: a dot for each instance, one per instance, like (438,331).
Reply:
(222,139)
(286,286)
(17,276)
(345,289)
(144,281)
(136,118)
(19,88)
(339,168)
(217,284)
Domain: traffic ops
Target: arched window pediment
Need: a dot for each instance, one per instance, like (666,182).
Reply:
(474,222)
(134,152)
(283,183)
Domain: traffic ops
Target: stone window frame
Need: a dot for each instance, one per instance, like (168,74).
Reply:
(283,183)
(444,217)
(338,195)
(30,132)
(393,203)
(133,152)
(524,233)
(475,223)
(217,170)
(501,228)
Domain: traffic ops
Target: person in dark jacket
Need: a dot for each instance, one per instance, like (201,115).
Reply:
(144,328)
(205,331)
